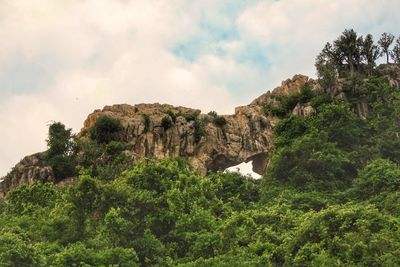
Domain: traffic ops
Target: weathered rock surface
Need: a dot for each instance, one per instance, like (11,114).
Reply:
(287,87)
(29,170)
(247,134)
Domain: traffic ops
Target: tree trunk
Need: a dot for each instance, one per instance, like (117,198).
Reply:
(351,69)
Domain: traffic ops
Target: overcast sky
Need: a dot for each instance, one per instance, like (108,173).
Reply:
(61,59)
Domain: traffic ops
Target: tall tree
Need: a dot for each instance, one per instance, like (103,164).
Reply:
(60,151)
(59,140)
(385,42)
(349,45)
(395,54)
(370,52)
(327,64)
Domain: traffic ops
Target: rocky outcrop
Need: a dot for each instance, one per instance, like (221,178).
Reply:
(208,142)
(29,170)
(287,87)
(205,143)
(303,110)
(208,145)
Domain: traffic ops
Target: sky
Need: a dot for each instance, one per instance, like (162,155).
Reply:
(60,60)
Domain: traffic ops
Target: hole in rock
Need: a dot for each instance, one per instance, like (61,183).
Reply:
(245,169)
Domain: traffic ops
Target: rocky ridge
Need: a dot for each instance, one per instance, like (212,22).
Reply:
(29,170)
(246,135)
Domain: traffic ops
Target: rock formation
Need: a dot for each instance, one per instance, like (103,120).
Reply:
(206,143)
(29,170)
(246,136)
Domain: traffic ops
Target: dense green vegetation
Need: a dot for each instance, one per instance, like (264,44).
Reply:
(105,130)
(218,120)
(330,196)
(60,154)
(286,103)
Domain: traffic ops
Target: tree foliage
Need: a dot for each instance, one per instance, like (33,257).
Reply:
(384,42)
(60,152)
(105,130)
(351,54)
(395,54)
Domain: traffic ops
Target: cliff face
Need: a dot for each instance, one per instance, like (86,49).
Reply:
(208,145)
(206,141)
(29,170)
(245,136)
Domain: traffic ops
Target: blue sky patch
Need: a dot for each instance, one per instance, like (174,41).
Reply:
(211,34)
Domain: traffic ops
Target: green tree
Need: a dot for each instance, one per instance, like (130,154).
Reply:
(378,177)
(220,121)
(348,235)
(106,129)
(16,250)
(28,198)
(287,130)
(313,163)
(79,254)
(84,199)
(384,42)
(60,152)
(342,126)
(59,140)
(370,52)
(166,122)
(396,52)
(348,46)
(326,69)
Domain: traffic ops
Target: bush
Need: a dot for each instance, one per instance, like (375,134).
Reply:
(351,234)
(343,126)
(313,163)
(190,117)
(113,148)
(105,130)
(17,250)
(219,121)
(166,122)
(173,115)
(63,166)
(379,176)
(146,122)
(59,141)
(320,100)
(287,130)
(28,198)
(274,110)
(212,113)
(198,130)
(286,103)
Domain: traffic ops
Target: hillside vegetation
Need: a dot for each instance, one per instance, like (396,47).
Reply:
(330,196)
